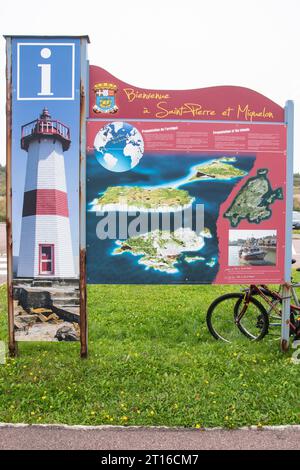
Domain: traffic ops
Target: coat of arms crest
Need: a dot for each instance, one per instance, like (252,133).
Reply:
(105,98)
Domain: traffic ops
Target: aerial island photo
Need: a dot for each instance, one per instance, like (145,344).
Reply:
(162,250)
(136,198)
(253,200)
(219,169)
(159,256)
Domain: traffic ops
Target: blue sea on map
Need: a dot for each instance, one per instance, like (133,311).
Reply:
(156,170)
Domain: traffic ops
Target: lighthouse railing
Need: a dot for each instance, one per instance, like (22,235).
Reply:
(41,126)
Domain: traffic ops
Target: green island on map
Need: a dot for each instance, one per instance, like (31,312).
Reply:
(219,169)
(192,259)
(253,200)
(161,250)
(228,159)
(138,198)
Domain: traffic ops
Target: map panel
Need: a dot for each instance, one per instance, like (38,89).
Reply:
(162,213)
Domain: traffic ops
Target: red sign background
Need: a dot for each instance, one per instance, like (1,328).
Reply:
(225,103)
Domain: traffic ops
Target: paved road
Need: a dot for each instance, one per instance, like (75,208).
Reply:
(114,438)
(296,250)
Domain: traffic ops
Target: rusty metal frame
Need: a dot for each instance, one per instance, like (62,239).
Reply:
(12,345)
(82,197)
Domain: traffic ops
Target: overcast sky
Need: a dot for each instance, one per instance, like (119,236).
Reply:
(175,44)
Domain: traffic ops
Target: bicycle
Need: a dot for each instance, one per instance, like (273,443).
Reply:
(235,313)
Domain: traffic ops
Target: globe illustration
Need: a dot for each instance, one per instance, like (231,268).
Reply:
(118,146)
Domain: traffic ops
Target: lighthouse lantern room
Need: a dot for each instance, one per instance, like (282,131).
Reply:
(46,243)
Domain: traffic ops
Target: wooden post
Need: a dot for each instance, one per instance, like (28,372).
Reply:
(12,347)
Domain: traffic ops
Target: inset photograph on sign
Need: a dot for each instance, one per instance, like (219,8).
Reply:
(252,247)
(45,194)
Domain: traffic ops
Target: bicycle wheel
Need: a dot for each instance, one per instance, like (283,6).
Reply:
(254,324)
(295,324)
(273,308)
(222,313)
(274,312)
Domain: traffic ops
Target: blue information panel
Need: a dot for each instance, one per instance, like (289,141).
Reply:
(45,70)
(45,187)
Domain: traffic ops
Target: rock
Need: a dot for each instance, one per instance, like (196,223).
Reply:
(27,319)
(37,332)
(66,333)
(29,297)
(25,322)
(19,326)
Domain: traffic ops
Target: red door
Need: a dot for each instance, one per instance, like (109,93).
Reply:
(46,257)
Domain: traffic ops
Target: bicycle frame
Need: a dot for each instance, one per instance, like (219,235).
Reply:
(262,290)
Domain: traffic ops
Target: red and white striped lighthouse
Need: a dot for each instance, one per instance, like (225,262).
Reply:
(46,243)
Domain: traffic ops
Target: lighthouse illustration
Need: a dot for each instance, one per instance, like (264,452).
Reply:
(46,243)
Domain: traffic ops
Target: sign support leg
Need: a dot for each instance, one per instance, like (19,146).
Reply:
(12,345)
(82,203)
(286,289)
(285,320)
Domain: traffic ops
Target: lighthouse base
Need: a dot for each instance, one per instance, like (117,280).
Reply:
(46,309)
(46,248)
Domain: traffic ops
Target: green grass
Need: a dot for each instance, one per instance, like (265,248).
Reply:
(151,362)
